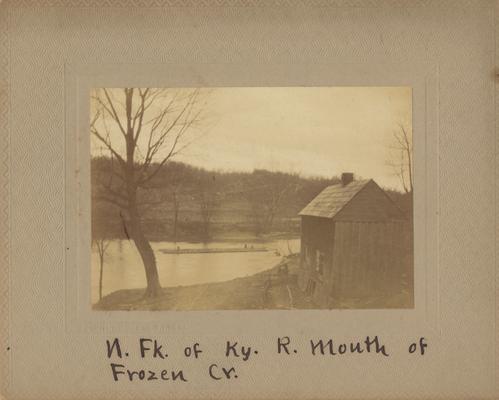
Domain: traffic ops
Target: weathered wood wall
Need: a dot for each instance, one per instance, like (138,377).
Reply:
(369,258)
(366,248)
(317,234)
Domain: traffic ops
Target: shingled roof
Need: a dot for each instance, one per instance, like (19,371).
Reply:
(332,199)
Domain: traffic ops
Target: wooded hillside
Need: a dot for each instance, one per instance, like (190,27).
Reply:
(186,203)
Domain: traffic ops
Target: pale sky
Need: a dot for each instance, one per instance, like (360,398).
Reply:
(313,131)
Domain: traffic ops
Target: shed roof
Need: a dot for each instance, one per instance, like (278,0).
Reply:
(332,199)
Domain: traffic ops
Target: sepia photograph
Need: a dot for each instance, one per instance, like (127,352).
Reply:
(247,198)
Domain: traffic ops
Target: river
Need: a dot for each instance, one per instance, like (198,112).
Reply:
(123,267)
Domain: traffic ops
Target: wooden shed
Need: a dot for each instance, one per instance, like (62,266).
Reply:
(353,243)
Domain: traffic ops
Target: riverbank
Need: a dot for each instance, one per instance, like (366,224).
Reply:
(275,288)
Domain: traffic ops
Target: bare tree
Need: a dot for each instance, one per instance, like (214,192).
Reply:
(100,234)
(400,158)
(176,182)
(142,129)
(209,202)
(176,209)
(102,245)
(267,195)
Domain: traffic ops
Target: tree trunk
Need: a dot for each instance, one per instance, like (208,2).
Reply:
(146,253)
(206,229)
(101,258)
(175,217)
(143,246)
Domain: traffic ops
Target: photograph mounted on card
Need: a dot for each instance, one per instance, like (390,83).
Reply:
(245,199)
(232,195)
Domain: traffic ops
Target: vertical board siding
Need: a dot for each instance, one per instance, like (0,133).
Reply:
(368,257)
(317,234)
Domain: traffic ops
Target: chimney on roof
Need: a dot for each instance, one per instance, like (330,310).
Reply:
(346,178)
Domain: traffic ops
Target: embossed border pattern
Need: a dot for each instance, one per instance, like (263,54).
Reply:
(5,5)
(4,199)
(240,3)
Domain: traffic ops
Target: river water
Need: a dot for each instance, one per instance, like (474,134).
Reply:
(123,268)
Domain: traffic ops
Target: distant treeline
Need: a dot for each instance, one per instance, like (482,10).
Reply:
(187,203)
